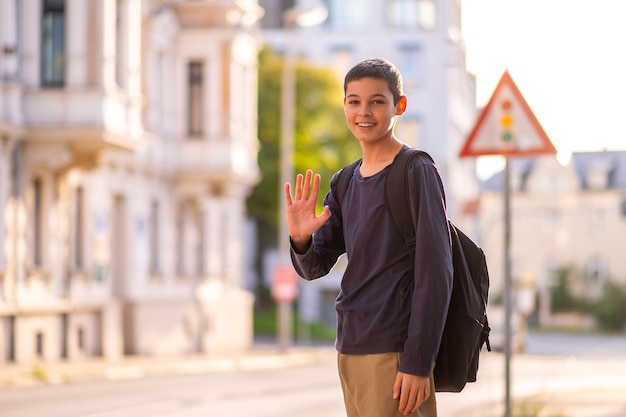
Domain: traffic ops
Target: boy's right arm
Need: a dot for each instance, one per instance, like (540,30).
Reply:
(301,218)
(303,246)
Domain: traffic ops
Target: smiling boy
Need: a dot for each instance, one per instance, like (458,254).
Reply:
(390,313)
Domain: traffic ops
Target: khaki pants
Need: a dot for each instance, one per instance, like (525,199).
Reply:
(367,384)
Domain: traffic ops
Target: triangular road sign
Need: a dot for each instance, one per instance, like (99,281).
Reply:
(507,126)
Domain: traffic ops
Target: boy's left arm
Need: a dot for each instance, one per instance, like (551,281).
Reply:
(432,270)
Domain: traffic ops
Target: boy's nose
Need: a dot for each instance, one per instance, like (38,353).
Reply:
(365,111)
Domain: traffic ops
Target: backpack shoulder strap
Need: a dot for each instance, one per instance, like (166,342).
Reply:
(343,180)
(396,196)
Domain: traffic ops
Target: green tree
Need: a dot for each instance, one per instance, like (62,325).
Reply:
(322,142)
(610,310)
(562,298)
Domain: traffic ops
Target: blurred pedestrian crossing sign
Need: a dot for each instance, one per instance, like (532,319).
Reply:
(507,126)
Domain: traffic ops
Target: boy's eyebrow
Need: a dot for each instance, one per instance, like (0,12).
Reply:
(373,95)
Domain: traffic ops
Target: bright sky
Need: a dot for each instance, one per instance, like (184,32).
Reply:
(568,58)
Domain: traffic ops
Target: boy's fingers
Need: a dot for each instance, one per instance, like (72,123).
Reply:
(307,184)
(298,192)
(316,187)
(287,191)
(396,387)
(326,214)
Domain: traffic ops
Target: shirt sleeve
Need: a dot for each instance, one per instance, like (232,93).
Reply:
(432,285)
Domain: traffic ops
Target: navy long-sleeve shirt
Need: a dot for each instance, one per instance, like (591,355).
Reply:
(385,304)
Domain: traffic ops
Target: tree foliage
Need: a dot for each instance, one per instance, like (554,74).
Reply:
(322,141)
(610,310)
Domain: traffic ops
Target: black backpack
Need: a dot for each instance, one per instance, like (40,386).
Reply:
(467,328)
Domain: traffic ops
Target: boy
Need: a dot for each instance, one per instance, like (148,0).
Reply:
(390,314)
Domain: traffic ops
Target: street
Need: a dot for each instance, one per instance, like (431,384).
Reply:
(592,384)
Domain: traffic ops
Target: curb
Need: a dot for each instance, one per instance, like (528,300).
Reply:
(257,358)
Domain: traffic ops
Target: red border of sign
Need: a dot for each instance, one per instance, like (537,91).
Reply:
(548,147)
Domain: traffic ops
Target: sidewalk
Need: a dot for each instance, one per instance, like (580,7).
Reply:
(605,402)
(258,357)
(543,386)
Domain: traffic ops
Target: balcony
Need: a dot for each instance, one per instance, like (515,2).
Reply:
(217,161)
(86,120)
(215,13)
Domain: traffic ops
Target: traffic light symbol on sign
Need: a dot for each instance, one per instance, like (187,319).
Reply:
(506,121)
(507,126)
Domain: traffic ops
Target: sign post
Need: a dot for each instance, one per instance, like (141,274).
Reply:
(507,126)
(284,292)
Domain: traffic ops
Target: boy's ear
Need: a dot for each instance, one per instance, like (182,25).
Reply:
(401,106)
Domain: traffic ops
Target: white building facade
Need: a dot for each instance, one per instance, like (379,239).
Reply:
(127,149)
(423,39)
(563,217)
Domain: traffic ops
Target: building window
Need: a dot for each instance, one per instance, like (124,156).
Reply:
(181,237)
(39,344)
(596,222)
(347,14)
(427,14)
(200,243)
(196,99)
(9,338)
(189,242)
(409,64)
(154,237)
(552,222)
(37,222)
(80,336)
(623,207)
(121,41)
(93,53)
(596,270)
(53,43)
(411,14)
(79,218)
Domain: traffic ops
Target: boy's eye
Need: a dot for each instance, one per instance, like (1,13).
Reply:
(353,102)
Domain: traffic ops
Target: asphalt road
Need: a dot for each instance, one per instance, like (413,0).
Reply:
(578,345)
(553,375)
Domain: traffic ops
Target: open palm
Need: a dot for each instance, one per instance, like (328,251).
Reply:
(301,218)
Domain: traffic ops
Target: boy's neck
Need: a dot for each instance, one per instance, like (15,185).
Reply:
(376,156)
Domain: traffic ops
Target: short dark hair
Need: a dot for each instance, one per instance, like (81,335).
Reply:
(377,68)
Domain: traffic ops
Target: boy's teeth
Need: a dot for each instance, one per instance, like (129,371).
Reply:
(365,124)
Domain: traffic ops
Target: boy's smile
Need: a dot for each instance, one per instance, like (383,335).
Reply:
(370,110)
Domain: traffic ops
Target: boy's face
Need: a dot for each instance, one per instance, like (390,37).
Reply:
(369,109)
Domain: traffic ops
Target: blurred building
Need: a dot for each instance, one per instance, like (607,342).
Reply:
(423,38)
(563,217)
(127,148)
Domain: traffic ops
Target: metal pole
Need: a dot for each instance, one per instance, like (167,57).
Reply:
(508,307)
(286,174)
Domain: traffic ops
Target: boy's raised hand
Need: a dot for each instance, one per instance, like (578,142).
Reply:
(301,218)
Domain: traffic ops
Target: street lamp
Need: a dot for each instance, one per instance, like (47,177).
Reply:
(305,13)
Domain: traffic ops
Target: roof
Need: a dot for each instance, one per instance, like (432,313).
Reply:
(610,166)
(613,163)
(520,166)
